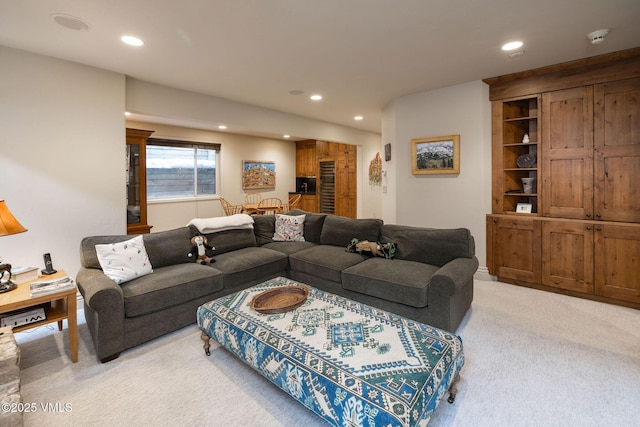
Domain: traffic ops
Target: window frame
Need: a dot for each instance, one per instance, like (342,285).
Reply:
(176,143)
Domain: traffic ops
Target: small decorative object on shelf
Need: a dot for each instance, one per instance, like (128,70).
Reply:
(527,184)
(525,138)
(523,208)
(6,285)
(526,161)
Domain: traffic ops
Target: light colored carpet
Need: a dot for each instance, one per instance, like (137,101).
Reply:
(532,359)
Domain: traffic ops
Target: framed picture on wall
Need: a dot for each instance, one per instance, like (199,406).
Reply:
(258,174)
(438,155)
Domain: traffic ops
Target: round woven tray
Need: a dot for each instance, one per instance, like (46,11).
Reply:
(280,300)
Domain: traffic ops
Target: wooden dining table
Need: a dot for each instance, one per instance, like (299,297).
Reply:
(252,208)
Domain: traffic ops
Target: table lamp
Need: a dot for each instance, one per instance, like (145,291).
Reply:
(8,225)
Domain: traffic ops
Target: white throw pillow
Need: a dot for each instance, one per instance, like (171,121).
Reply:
(289,228)
(124,261)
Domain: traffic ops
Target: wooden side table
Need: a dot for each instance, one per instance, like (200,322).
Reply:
(58,306)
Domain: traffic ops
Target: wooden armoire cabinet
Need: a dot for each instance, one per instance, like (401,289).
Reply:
(137,181)
(582,235)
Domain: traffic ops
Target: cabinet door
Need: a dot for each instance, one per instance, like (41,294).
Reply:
(617,266)
(617,148)
(306,158)
(516,249)
(567,153)
(567,255)
(346,187)
(309,203)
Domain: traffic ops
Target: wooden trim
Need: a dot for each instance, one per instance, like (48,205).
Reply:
(594,70)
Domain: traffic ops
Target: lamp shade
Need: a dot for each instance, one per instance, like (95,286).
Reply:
(8,223)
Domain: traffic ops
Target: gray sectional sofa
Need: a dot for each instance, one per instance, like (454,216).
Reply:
(430,278)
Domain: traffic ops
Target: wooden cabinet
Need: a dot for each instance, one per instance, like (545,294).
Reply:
(584,237)
(306,163)
(342,182)
(592,259)
(309,203)
(513,248)
(567,171)
(567,255)
(591,152)
(345,185)
(617,271)
(137,181)
(617,151)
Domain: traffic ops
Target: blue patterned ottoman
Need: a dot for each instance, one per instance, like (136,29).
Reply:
(351,364)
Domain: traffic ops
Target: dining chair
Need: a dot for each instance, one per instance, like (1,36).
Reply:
(294,201)
(268,206)
(230,209)
(252,198)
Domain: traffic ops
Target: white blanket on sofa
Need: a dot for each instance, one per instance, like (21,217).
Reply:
(217,224)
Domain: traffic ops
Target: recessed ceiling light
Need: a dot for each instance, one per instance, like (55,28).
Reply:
(70,22)
(286,136)
(358,118)
(316,97)
(222,127)
(512,45)
(132,41)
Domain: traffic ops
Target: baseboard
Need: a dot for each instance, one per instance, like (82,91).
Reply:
(482,273)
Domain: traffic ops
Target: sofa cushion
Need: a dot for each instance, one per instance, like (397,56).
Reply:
(124,261)
(429,245)
(324,261)
(249,265)
(168,287)
(289,247)
(231,240)
(404,282)
(264,227)
(338,231)
(313,223)
(163,247)
(169,247)
(289,228)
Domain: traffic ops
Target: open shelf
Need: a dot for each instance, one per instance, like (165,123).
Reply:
(519,117)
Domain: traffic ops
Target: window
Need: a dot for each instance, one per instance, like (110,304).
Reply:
(180,169)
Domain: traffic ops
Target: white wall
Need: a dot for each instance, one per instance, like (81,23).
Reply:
(445,201)
(62,170)
(235,149)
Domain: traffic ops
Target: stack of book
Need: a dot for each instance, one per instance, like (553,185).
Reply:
(23,274)
(45,287)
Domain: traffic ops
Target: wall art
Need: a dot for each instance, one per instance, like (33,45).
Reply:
(257,174)
(439,155)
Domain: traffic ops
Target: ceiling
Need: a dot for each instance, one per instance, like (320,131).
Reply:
(359,54)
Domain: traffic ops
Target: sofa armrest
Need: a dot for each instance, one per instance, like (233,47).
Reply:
(104,311)
(452,276)
(100,292)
